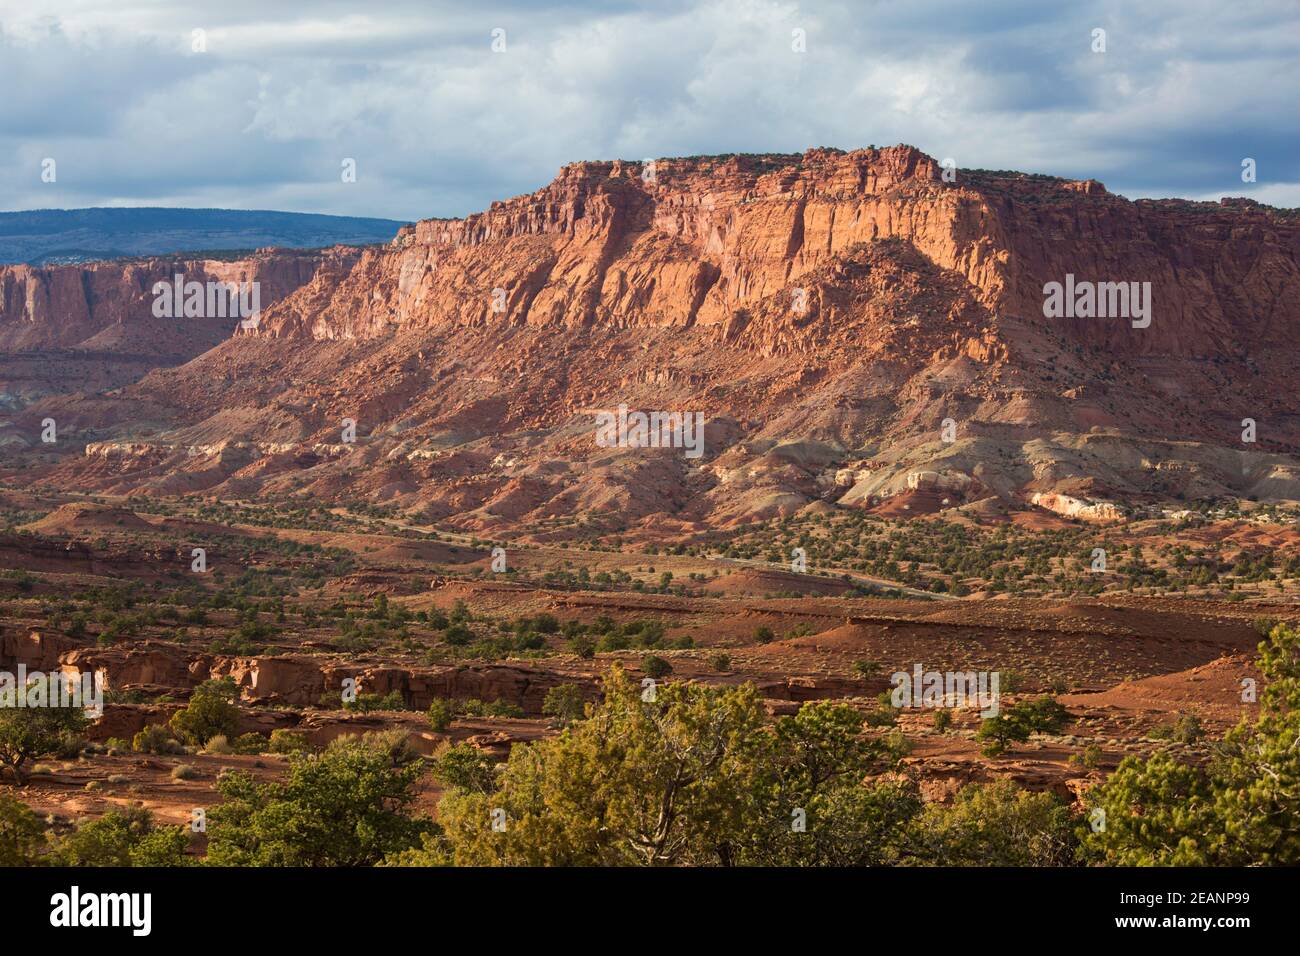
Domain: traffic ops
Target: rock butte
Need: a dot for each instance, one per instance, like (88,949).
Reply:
(826,312)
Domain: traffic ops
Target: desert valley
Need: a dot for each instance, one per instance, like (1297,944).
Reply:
(380,507)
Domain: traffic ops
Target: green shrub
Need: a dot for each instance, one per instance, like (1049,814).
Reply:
(866,670)
(467,768)
(1186,729)
(365,703)
(155,739)
(1089,758)
(999,732)
(218,744)
(211,711)
(440,714)
(883,715)
(284,741)
(497,708)
(997,824)
(458,635)
(565,703)
(619,767)
(1042,715)
(348,805)
(251,743)
(121,838)
(656,667)
(22,836)
(30,733)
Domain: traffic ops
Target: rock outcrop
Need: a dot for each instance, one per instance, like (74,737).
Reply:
(108,306)
(33,650)
(292,680)
(1098,512)
(853,303)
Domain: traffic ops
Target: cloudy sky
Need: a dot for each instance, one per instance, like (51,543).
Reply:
(440,124)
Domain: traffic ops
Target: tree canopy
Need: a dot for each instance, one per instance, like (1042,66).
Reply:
(1240,809)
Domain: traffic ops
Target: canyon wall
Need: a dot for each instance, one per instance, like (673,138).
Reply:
(825,312)
(699,240)
(108,306)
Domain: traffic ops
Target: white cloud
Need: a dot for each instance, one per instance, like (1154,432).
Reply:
(440,125)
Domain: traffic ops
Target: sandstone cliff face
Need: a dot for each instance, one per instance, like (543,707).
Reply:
(298,681)
(108,306)
(764,252)
(695,241)
(616,245)
(848,302)
(34,650)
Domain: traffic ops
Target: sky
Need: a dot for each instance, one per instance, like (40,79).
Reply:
(445,107)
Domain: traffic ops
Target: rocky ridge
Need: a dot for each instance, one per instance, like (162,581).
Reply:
(828,313)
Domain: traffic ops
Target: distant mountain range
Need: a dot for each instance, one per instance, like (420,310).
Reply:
(44,236)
